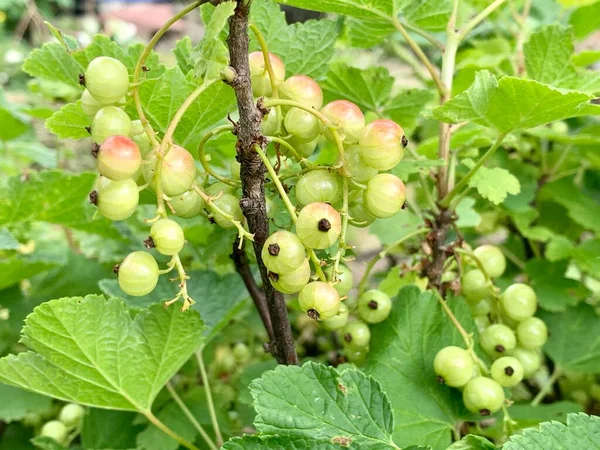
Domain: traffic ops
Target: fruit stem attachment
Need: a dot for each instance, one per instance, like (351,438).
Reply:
(290,207)
(445,202)
(142,59)
(191,417)
(169,432)
(209,397)
(545,390)
(287,145)
(471,24)
(242,233)
(183,293)
(204,160)
(382,254)
(342,239)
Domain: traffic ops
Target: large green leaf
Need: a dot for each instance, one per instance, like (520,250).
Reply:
(472,442)
(318,402)
(493,184)
(69,122)
(511,103)
(428,14)
(363,9)
(548,60)
(249,442)
(53,62)
(53,196)
(580,432)
(401,359)
(218,298)
(162,97)
(91,351)
(305,48)
(554,291)
(528,416)
(574,342)
(12,122)
(585,20)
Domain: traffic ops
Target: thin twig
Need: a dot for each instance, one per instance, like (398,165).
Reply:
(209,398)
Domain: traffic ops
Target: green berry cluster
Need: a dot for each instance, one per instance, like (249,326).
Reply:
(359,187)
(509,334)
(64,428)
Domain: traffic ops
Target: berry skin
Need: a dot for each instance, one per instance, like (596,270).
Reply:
(188,205)
(347,117)
(167,237)
(117,200)
(235,168)
(519,302)
(138,274)
(344,277)
(492,260)
(241,352)
(319,186)
(292,282)
(118,158)
(532,333)
(89,104)
(385,195)
(56,430)
(381,144)
(481,308)
(356,335)
(531,360)
(229,204)
(319,300)
(110,121)
(107,79)
(304,149)
(71,414)
(507,371)
(302,89)
(268,126)
(140,137)
(224,359)
(271,208)
(498,340)
(356,357)
(339,320)
(216,189)
(453,366)
(283,253)
(374,306)
(318,225)
(360,217)
(261,84)
(302,125)
(474,286)
(178,171)
(356,166)
(483,396)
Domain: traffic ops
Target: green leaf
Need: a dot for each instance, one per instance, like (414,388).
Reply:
(582,431)
(529,416)
(205,287)
(53,196)
(16,403)
(12,123)
(109,430)
(582,208)
(19,267)
(409,166)
(369,89)
(406,107)
(428,14)
(162,97)
(548,60)
(586,58)
(69,122)
(249,442)
(554,291)
(401,359)
(472,442)
(468,217)
(365,33)
(153,438)
(102,46)
(586,19)
(305,48)
(7,240)
(46,443)
(212,56)
(511,103)
(363,9)
(390,230)
(574,343)
(52,62)
(587,257)
(493,184)
(559,248)
(90,351)
(326,404)
(183,54)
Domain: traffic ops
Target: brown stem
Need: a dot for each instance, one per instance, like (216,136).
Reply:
(242,267)
(433,267)
(252,174)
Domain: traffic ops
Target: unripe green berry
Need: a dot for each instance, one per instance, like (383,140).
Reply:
(492,260)
(453,366)
(507,371)
(319,300)
(483,395)
(382,144)
(319,186)
(347,118)
(55,430)
(110,121)
(71,414)
(167,237)
(292,282)
(283,253)
(374,306)
(356,335)
(519,302)
(385,195)
(138,274)
(318,225)
(339,320)
(117,200)
(107,79)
